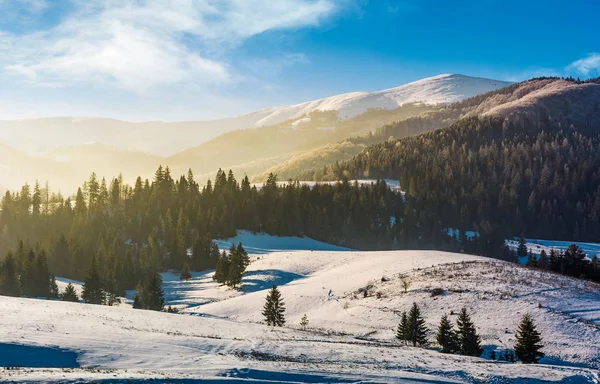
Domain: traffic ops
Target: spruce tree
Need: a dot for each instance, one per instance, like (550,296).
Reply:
(416,326)
(153,296)
(274,308)
(446,336)
(9,281)
(69,294)
(529,341)
(469,340)
(222,269)
(402,333)
(92,291)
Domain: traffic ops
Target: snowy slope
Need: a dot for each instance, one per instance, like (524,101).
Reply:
(219,336)
(439,89)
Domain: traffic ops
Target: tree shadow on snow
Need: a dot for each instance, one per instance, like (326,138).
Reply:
(31,356)
(265,278)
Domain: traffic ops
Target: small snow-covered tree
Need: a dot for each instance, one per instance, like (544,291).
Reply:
(304,322)
(529,341)
(405,284)
(274,308)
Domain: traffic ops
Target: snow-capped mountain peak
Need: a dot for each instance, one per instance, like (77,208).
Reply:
(446,88)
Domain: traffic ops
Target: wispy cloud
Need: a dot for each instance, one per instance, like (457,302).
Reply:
(139,44)
(587,65)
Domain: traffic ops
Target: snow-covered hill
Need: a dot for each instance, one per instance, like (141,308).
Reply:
(439,89)
(219,336)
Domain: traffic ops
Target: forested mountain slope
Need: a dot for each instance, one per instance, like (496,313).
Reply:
(533,152)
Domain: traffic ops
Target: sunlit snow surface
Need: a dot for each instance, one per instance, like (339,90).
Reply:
(219,335)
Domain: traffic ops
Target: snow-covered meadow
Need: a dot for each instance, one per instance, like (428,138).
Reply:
(219,335)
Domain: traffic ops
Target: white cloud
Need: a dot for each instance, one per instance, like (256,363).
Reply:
(139,44)
(587,65)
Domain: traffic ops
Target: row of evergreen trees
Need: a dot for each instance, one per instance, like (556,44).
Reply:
(134,232)
(412,330)
(26,273)
(571,262)
(464,339)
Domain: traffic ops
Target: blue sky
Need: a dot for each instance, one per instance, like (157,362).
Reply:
(201,59)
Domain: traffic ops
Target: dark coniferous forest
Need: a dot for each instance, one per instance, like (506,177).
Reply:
(135,232)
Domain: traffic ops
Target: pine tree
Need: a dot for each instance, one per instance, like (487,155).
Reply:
(69,294)
(529,340)
(92,291)
(153,297)
(274,308)
(238,262)
(9,281)
(222,269)
(402,333)
(304,322)
(543,261)
(416,326)
(446,336)
(469,340)
(185,272)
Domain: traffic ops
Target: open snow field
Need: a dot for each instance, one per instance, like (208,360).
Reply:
(219,335)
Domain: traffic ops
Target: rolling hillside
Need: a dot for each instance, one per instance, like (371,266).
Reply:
(220,335)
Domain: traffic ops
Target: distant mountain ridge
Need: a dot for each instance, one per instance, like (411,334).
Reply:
(441,89)
(36,136)
(110,147)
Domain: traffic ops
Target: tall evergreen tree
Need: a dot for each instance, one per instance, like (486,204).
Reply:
(528,347)
(274,308)
(403,332)
(153,297)
(222,269)
(470,342)
(93,292)
(9,281)
(446,336)
(416,326)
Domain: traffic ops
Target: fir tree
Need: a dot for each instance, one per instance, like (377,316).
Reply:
(543,261)
(9,281)
(469,340)
(529,341)
(69,294)
(153,296)
(402,333)
(222,269)
(416,326)
(137,301)
(92,291)
(446,336)
(274,308)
